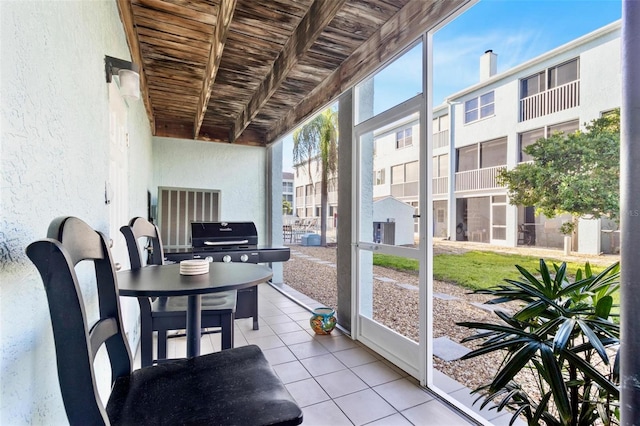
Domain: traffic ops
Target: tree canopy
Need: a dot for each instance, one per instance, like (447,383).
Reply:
(576,173)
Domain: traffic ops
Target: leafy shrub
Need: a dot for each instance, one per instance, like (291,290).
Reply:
(566,335)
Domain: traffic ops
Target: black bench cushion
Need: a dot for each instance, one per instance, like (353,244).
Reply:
(231,387)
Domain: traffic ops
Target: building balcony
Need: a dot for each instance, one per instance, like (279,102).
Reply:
(550,101)
(478,179)
(441,139)
(440,185)
(408,189)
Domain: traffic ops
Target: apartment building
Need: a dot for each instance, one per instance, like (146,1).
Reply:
(497,118)
(307,182)
(485,128)
(287,192)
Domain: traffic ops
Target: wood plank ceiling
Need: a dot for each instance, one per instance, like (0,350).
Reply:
(248,71)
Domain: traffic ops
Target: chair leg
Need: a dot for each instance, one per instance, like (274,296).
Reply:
(226,334)
(254,308)
(162,344)
(146,333)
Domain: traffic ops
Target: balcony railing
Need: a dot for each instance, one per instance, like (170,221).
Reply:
(441,139)
(408,189)
(440,185)
(550,101)
(478,179)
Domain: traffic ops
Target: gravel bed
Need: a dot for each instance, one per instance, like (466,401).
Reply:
(395,305)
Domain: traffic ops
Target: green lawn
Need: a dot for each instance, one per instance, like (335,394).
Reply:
(474,269)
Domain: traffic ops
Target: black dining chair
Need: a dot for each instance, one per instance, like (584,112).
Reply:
(170,313)
(236,386)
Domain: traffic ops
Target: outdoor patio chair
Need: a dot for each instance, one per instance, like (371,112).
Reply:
(236,386)
(287,233)
(170,313)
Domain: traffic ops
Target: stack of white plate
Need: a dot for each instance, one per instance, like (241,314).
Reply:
(194,267)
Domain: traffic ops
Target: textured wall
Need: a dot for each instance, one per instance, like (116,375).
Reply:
(54,161)
(238,172)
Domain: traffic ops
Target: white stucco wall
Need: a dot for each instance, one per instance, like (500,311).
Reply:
(54,161)
(238,172)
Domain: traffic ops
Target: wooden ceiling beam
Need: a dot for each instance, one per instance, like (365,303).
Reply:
(221,134)
(319,15)
(218,40)
(404,27)
(126,16)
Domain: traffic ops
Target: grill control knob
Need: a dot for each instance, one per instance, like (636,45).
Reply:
(209,259)
(244,258)
(226,258)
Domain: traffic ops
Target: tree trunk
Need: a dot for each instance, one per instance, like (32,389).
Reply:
(324,195)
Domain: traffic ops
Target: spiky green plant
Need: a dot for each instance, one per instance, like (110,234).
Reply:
(566,335)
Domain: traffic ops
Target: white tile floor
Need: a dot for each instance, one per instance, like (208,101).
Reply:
(334,379)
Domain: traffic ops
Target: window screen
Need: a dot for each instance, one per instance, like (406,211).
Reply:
(526,139)
(563,73)
(493,153)
(468,158)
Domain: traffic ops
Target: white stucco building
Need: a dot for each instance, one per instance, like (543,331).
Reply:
(494,120)
(486,127)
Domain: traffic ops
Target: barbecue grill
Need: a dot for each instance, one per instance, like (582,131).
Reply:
(231,242)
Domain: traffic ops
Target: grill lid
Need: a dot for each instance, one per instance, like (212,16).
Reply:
(223,235)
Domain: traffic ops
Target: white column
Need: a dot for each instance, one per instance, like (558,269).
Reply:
(274,204)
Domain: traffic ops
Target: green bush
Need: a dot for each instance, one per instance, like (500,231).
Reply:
(564,334)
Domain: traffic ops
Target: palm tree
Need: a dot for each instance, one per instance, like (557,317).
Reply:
(318,140)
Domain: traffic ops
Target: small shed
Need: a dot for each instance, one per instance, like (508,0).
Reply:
(388,210)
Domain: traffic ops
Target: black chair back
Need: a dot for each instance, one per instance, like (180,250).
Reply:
(138,228)
(70,241)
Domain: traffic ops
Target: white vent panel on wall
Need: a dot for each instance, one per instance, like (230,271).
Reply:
(178,207)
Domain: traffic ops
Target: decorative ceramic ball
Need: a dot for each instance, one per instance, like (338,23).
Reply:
(323,320)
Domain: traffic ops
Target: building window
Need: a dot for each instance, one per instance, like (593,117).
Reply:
(563,73)
(378,177)
(404,179)
(404,138)
(531,85)
(287,186)
(412,172)
(527,138)
(467,158)
(441,165)
(479,107)
(483,155)
(566,127)
(440,131)
(493,153)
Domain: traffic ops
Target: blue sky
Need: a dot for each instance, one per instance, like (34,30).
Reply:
(516,30)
